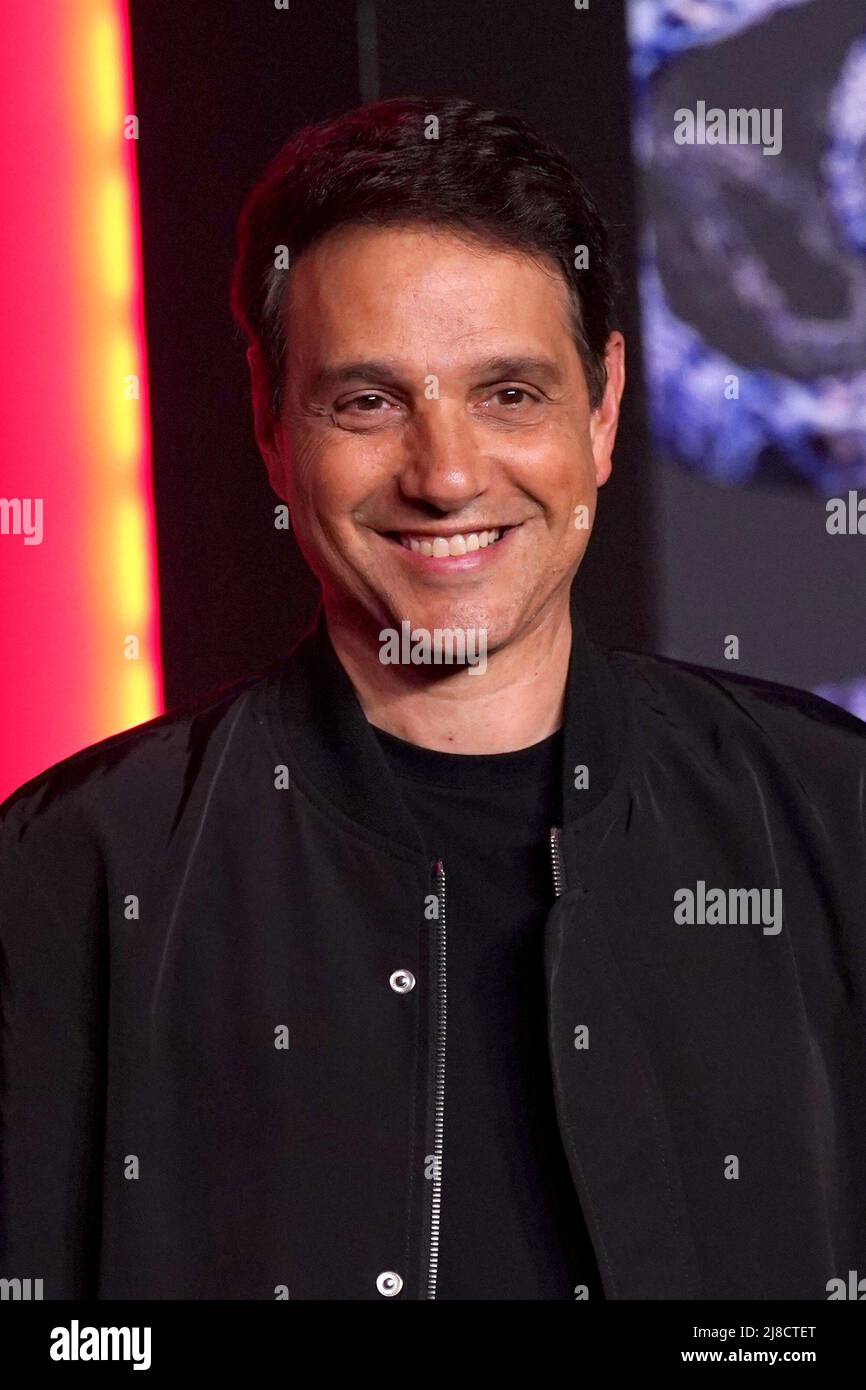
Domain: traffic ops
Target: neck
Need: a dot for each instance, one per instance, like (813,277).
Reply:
(518,701)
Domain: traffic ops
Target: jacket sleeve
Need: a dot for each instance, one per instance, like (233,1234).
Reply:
(52,1014)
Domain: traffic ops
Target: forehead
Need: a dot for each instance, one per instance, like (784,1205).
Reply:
(424,293)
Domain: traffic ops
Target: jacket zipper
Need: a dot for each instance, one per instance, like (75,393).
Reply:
(439,1092)
(556,860)
(439,1081)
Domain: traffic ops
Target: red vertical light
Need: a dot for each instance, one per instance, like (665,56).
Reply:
(79,651)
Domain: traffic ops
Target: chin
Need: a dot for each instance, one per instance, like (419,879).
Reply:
(497,625)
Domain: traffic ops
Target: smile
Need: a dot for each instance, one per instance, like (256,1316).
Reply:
(462,543)
(458,552)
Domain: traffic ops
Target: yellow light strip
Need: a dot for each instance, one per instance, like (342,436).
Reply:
(124,658)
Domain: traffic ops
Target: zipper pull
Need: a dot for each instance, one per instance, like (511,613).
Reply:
(439,1088)
(556,860)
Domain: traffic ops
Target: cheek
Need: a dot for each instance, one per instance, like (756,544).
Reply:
(336,474)
(558,473)
(569,495)
(556,453)
(304,467)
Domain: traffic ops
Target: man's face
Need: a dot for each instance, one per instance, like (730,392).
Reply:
(433,394)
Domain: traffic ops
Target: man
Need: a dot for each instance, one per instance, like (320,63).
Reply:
(533,973)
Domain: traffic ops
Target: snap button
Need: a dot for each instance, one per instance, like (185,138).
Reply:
(389,1283)
(402,981)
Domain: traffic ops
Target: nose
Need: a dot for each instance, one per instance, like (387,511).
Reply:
(443,465)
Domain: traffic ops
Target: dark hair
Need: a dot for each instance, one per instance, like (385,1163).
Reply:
(484,172)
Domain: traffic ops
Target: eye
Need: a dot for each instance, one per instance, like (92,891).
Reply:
(511,399)
(369,410)
(367,404)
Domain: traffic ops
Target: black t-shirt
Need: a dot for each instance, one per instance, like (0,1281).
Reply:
(511,1223)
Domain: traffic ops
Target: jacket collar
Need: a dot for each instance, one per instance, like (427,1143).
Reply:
(332,751)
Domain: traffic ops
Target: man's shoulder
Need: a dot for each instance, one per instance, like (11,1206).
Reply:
(705,699)
(131,774)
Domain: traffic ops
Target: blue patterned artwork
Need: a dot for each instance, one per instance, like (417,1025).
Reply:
(750,144)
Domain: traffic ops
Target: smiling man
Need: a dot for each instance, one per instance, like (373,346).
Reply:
(371,977)
(435,445)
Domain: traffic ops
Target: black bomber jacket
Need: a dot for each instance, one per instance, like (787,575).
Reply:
(216,1084)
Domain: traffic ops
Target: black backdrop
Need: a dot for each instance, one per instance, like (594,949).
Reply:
(219,88)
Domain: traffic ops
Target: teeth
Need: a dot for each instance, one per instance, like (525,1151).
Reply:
(440,546)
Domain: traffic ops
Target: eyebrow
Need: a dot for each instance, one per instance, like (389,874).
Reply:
(541,369)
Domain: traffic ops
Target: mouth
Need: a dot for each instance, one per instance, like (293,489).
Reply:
(457,545)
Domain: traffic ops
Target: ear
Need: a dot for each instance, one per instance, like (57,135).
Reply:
(605,418)
(268,429)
